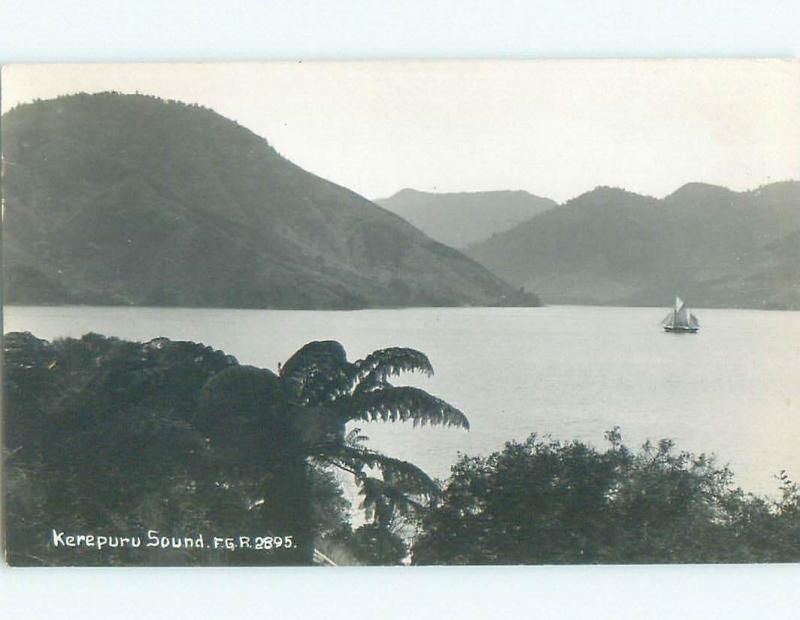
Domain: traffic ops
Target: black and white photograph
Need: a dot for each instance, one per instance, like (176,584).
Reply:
(401,313)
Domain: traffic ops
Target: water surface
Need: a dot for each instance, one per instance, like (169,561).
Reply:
(568,371)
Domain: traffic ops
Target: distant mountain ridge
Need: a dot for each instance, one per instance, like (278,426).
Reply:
(714,246)
(129,199)
(465,218)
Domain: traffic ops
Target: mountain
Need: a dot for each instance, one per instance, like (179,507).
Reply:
(129,199)
(711,245)
(461,219)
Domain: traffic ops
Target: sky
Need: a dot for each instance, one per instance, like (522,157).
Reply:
(553,128)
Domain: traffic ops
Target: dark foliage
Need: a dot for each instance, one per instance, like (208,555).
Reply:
(375,545)
(546,502)
(124,437)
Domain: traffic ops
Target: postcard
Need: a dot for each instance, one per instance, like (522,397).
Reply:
(401,313)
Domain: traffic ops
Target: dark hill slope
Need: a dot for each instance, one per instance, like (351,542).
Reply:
(128,199)
(461,219)
(714,246)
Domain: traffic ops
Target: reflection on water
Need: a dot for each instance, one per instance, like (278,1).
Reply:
(568,371)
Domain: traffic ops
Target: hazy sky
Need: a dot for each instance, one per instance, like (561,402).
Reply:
(554,128)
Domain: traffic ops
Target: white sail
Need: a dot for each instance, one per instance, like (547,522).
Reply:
(681,318)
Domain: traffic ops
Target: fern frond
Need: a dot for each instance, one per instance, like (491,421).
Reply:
(382,501)
(374,370)
(317,372)
(354,438)
(403,475)
(401,404)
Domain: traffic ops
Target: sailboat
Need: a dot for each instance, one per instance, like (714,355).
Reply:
(681,319)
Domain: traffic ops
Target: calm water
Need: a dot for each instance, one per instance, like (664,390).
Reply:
(568,371)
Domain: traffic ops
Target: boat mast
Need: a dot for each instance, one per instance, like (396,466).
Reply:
(675,312)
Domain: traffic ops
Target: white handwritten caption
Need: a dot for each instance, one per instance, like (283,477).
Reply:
(154,540)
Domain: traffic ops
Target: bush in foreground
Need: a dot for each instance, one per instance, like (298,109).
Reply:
(548,502)
(104,436)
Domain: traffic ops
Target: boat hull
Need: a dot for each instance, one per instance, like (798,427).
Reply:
(680,330)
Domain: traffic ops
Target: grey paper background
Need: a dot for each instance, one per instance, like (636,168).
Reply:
(82,30)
